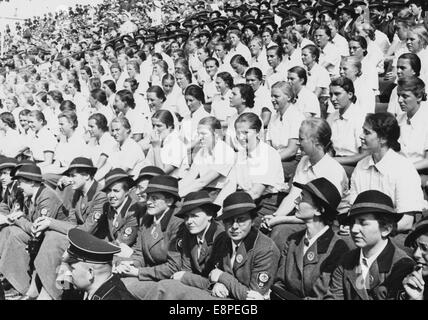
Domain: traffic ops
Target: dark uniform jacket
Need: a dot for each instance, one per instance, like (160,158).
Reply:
(153,244)
(46,203)
(112,289)
(254,268)
(126,227)
(187,246)
(13,195)
(308,276)
(85,211)
(384,278)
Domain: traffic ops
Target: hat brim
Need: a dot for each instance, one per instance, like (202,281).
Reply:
(214,208)
(238,212)
(91,170)
(127,179)
(413,235)
(356,212)
(15,177)
(329,210)
(153,190)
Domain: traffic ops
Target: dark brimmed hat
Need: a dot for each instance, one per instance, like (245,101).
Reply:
(8,163)
(117,175)
(164,184)
(326,192)
(196,200)
(81,163)
(420,228)
(373,201)
(87,248)
(30,172)
(20,164)
(236,204)
(149,172)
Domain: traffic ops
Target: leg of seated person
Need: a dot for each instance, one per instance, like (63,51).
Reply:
(139,289)
(49,259)
(15,260)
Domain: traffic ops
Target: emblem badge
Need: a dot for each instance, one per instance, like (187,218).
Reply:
(239,258)
(311,256)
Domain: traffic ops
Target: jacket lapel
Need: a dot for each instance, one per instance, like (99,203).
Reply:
(381,266)
(244,248)
(298,253)
(354,275)
(122,214)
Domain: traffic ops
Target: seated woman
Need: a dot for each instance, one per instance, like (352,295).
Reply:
(156,236)
(262,101)
(414,124)
(378,171)
(242,264)
(346,124)
(283,129)
(318,77)
(350,67)
(306,100)
(129,157)
(12,144)
(99,104)
(258,169)
(167,150)
(212,163)
(376,268)
(408,65)
(240,66)
(313,252)
(195,100)
(43,145)
(220,106)
(415,283)
(315,142)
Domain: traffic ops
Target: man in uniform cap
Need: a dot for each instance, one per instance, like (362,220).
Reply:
(376,268)
(90,263)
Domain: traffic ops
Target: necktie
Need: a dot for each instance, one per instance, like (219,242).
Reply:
(341,117)
(115,219)
(200,244)
(366,265)
(233,258)
(409,122)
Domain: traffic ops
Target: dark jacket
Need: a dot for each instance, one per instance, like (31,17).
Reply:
(85,212)
(13,195)
(112,289)
(308,276)
(385,276)
(255,266)
(151,249)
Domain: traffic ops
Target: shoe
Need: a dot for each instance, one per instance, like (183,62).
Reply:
(11,294)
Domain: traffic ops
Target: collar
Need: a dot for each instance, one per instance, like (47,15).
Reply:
(158,221)
(250,239)
(318,235)
(374,257)
(209,235)
(91,191)
(256,151)
(348,114)
(201,239)
(103,290)
(235,246)
(323,161)
(382,164)
(124,206)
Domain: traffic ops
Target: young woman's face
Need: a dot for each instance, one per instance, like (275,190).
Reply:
(404,69)
(253,81)
(414,43)
(407,100)
(23,121)
(131,70)
(246,137)
(84,75)
(153,101)
(192,103)
(255,48)
(197,221)
(239,227)
(201,54)
(220,85)
(206,137)
(34,124)
(220,52)
(306,143)
(272,58)
(295,81)
(160,128)
(339,97)
(234,39)
(355,49)
(65,126)
(420,253)
(369,139)
(236,99)
(287,46)
(266,37)
(119,132)
(305,206)
(93,129)
(167,86)
(115,73)
(348,70)
(307,57)
(366,232)
(279,98)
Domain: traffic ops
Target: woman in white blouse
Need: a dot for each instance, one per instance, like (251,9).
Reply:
(212,163)
(318,77)
(12,143)
(167,151)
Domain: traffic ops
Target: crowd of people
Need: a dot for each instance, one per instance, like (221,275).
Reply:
(216,150)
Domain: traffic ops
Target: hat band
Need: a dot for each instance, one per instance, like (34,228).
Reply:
(80,165)
(117,176)
(318,193)
(161,186)
(7,164)
(24,174)
(203,201)
(239,206)
(372,205)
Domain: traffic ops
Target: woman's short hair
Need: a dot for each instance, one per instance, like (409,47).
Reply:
(39,116)
(100,121)
(124,122)
(287,89)
(165,117)
(315,52)
(126,97)
(346,84)
(67,105)
(100,96)
(195,91)
(255,72)
(160,94)
(227,78)
(320,131)
(71,117)
(415,62)
(301,73)
(247,93)
(212,122)
(56,96)
(414,85)
(252,119)
(111,85)
(133,83)
(353,61)
(8,119)
(386,126)
(239,59)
